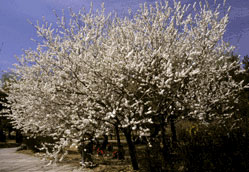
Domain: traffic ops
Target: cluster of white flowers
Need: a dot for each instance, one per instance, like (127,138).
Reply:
(99,70)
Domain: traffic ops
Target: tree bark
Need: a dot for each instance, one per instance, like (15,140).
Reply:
(18,137)
(173,131)
(132,149)
(105,142)
(165,149)
(9,133)
(149,159)
(120,149)
(2,136)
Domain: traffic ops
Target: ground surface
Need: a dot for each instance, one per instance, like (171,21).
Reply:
(11,161)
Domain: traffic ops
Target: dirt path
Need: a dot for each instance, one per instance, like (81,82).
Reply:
(10,161)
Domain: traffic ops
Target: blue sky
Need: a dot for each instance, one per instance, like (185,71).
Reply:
(16,32)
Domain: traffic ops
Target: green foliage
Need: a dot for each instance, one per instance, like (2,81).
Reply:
(243,104)
(5,123)
(217,147)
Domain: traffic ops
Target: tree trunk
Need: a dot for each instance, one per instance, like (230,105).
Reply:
(149,159)
(132,149)
(173,131)
(105,142)
(2,136)
(165,149)
(18,137)
(9,133)
(120,149)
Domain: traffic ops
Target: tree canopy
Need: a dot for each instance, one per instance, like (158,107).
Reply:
(101,70)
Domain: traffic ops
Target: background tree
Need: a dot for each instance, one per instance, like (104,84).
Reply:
(3,121)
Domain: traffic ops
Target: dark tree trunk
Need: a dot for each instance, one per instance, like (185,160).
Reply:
(2,136)
(173,131)
(18,137)
(105,142)
(120,148)
(165,146)
(86,149)
(83,152)
(165,149)
(9,133)
(149,159)
(132,149)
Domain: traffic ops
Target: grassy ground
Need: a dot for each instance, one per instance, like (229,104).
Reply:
(104,163)
(8,144)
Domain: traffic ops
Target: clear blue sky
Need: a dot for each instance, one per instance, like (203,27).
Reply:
(16,32)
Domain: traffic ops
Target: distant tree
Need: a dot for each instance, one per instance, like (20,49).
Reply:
(245,62)
(244,96)
(6,79)
(3,120)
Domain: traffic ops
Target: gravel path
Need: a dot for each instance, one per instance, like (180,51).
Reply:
(10,161)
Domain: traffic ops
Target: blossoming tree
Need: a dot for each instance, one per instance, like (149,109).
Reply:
(98,70)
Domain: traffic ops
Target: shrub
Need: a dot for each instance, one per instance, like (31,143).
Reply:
(214,148)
